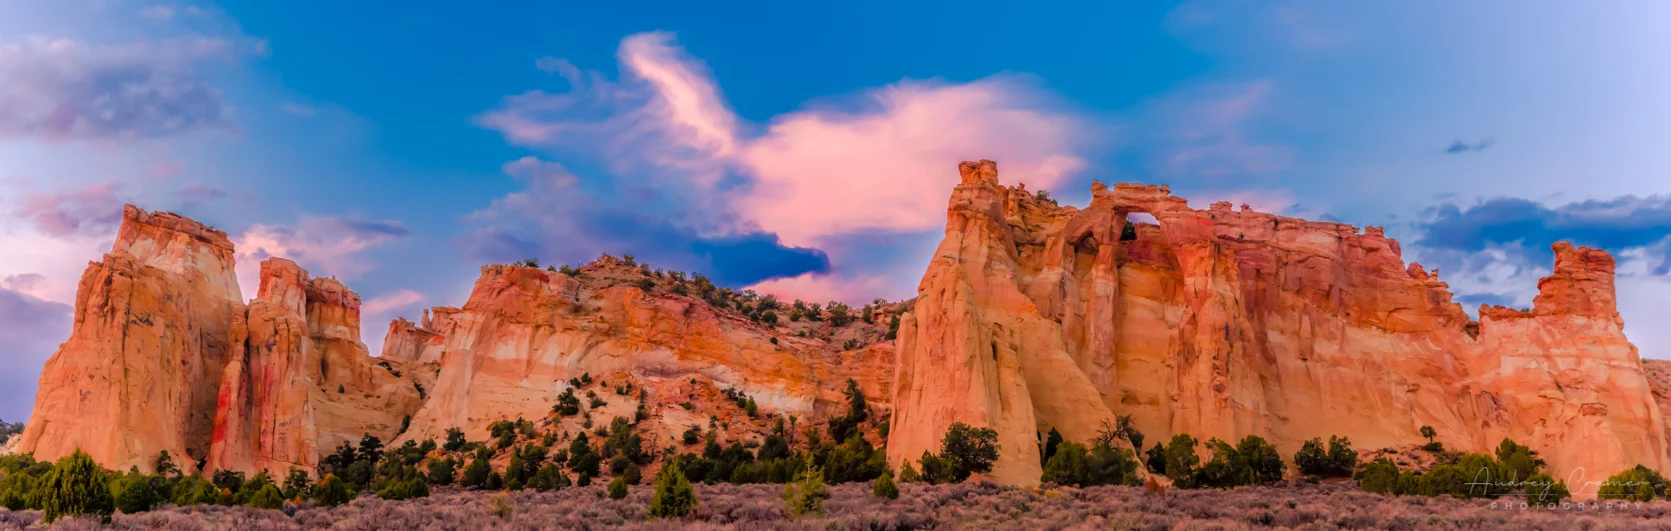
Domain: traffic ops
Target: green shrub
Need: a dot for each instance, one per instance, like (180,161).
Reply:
(806,495)
(884,486)
(405,489)
(908,474)
(968,450)
(332,491)
(135,493)
(1180,460)
(296,484)
(76,486)
(618,488)
(673,496)
(443,472)
(475,475)
(17,491)
(194,490)
(1634,484)
(1542,489)
(1338,460)
(268,497)
(1073,464)
(1251,462)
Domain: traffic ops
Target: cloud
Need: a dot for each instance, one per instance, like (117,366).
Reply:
(1459,147)
(542,173)
(30,329)
(1207,132)
(324,245)
(397,300)
(65,89)
(1614,224)
(879,160)
(90,211)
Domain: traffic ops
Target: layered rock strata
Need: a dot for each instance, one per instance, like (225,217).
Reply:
(1225,323)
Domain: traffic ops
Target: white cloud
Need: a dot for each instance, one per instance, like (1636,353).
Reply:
(324,245)
(397,300)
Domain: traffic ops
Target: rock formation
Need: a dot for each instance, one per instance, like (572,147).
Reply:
(165,356)
(151,337)
(1225,323)
(300,382)
(525,332)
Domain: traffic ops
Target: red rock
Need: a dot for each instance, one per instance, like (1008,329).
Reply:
(1225,323)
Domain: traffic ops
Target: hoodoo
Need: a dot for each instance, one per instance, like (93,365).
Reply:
(1225,323)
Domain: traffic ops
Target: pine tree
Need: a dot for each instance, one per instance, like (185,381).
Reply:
(76,486)
(673,497)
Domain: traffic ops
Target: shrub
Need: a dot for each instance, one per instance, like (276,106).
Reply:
(475,475)
(908,474)
(1180,460)
(1074,465)
(1379,476)
(618,488)
(268,497)
(76,486)
(134,493)
(455,440)
(296,483)
(1337,461)
(806,495)
(332,491)
(443,472)
(194,490)
(17,491)
(1634,484)
(673,496)
(884,486)
(405,489)
(500,506)
(968,450)
(1251,462)
(1542,489)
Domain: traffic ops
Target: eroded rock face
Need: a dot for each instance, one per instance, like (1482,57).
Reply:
(1225,323)
(525,332)
(299,381)
(152,334)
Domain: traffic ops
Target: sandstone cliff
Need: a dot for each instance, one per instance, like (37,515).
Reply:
(1224,323)
(165,356)
(525,332)
(152,334)
(299,381)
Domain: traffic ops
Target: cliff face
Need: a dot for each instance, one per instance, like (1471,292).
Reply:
(525,332)
(165,356)
(152,331)
(1224,323)
(299,381)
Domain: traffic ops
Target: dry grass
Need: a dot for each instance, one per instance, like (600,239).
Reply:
(967,506)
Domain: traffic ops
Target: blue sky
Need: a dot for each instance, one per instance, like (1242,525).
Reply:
(808,150)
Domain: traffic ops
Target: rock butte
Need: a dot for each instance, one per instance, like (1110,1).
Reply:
(1031,316)
(1226,323)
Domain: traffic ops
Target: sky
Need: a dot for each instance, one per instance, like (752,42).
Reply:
(808,150)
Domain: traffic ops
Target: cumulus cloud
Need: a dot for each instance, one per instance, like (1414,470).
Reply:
(65,89)
(89,211)
(30,329)
(879,160)
(324,245)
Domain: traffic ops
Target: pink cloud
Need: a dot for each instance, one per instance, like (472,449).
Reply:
(325,245)
(389,302)
(819,173)
(820,288)
(813,173)
(92,210)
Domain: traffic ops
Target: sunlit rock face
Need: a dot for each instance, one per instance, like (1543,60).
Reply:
(152,334)
(1229,322)
(299,381)
(525,332)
